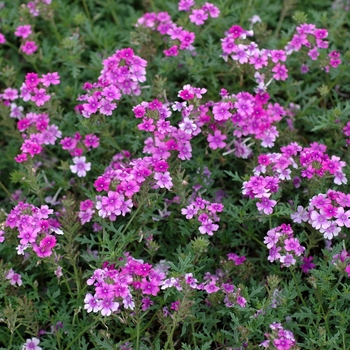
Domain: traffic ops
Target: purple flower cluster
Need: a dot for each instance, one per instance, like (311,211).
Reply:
(36,6)
(248,115)
(312,162)
(121,74)
(213,283)
(282,339)
(36,132)
(117,287)
(346,131)
(328,213)
(34,88)
(162,23)
(205,212)
(200,15)
(282,245)
(36,230)
(308,36)
(76,146)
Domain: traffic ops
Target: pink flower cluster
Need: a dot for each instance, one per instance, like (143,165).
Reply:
(205,212)
(346,131)
(282,339)
(36,230)
(162,23)
(313,161)
(328,213)
(76,145)
(117,287)
(247,115)
(36,131)
(213,283)
(342,261)
(167,137)
(282,245)
(121,74)
(86,211)
(34,88)
(199,16)
(36,6)
(238,260)
(308,36)
(14,278)
(23,32)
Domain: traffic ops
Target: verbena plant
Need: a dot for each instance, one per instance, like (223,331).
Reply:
(174,175)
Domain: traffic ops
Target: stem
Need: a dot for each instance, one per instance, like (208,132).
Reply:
(252,237)
(80,334)
(11,339)
(132,218)
(297,288)
(193,336)
(7,192)
(138,335)
(86,10)
(322,310)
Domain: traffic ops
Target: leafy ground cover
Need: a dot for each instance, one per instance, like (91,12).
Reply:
(174,174)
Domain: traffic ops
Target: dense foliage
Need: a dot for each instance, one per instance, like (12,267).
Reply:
(174,174)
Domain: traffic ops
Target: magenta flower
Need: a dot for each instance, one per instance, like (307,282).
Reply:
(2,39)
(198,17)
(80,166)
(40,97)
(280,71)
(23,31)
(50,79)
(216,140)
(307,265)
(163,180)
(29,47)
(10,94)
(172,51)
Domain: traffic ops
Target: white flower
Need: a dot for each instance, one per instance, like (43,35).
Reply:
(80,167)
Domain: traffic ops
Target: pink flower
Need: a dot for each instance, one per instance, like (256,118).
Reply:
(198,17)
(10,94)
(216,140)
(42,251)
(29,47)
(172,51)
(91,303)
(50,78)
(185,5)
(40,97)
(14,278)
(31,344)
(280,71)
(2,39)
(163,180)
(211,287)
(108,306)
(80,166)
(23,31)
(91,140)
(48,242)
